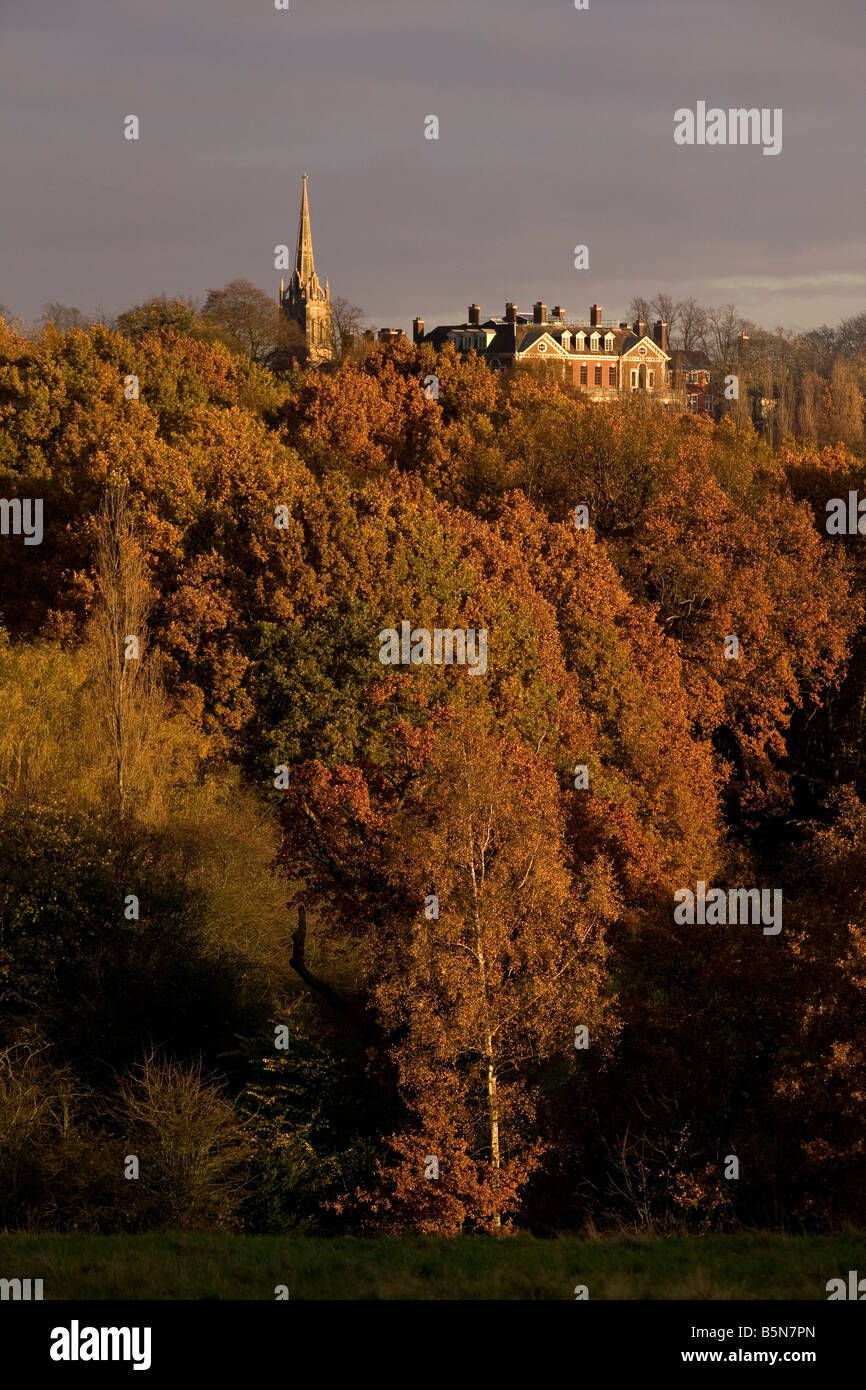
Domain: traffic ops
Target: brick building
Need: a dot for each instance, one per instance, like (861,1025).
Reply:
(601,357)
(690,378)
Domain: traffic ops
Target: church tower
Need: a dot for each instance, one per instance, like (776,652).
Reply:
(305,302)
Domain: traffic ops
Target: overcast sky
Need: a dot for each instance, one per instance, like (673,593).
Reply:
(556,128)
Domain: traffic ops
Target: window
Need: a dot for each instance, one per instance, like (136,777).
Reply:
(566,340)
(642,350)
(593,342)
(611,376)
(608,343)
(583,377)
(598,373)
(580,341)
(634,381)
(693,402)
(651,379)
(542,347)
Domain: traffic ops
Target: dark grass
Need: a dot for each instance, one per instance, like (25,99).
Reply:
(754,1266)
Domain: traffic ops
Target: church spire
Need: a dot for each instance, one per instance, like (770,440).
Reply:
(304,266)
(303,300)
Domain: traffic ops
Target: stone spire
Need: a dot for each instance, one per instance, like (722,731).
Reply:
(305,268)
(304,300)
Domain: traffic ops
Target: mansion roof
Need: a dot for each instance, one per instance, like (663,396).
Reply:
(521,333)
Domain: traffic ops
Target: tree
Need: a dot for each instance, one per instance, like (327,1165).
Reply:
(822,344)
(692,325)
(843,406)
(478,996)
(784,413)
(851,337)
(722,334)
(126,676)
(819,1082)
(244,318)
(810,394)
(158,314)
(347,324)
(640,308)
(666,308)
(63,316)
(189,1141)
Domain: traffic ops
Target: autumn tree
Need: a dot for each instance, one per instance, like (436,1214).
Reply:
(482,951)
(126,675)
(843,406)
(809,398)
(158,314)
(821,1077)
(244,318)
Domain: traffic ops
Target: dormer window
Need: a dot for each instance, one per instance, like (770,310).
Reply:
(566,340)
(608,342)
(580,342)
(593,342)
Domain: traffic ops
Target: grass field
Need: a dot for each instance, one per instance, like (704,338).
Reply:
(250,1267)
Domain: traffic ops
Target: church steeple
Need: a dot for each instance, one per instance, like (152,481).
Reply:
(305,267)
(305,282)
(304,300)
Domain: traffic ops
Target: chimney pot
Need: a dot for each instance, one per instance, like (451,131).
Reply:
(474,314)
(417,330)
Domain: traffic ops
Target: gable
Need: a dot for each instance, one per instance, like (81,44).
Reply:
(544,346)
(652,353)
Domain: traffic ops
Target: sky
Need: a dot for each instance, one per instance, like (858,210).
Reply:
(556,129)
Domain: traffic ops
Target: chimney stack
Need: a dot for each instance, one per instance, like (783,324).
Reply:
(474,315)
(510,312)
(417,330)
(539,313)
(660,334)
(639,327)
(558,312)
(595,316)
